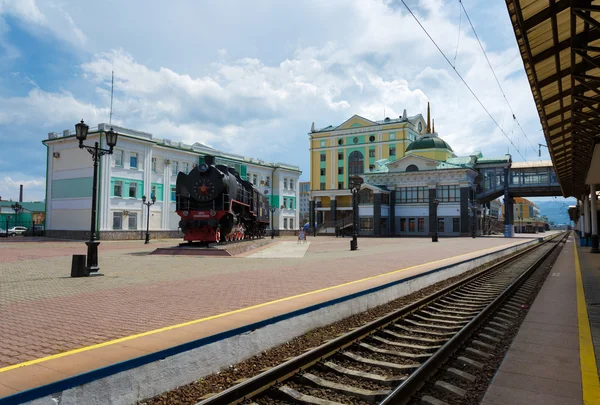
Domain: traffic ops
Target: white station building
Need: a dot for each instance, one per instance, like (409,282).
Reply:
(143,165)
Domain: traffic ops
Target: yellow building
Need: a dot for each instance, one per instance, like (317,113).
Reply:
(358,146)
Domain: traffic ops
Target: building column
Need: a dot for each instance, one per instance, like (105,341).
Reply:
(433,209)
(594,216)
(392,212)
(586,215)
(377,214)
(333,208)
(464,210)
(311,213)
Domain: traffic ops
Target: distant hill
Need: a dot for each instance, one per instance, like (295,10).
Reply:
(556,210)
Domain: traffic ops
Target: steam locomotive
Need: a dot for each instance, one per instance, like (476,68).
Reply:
(215,205)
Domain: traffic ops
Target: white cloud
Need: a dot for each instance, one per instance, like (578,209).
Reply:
(33,188)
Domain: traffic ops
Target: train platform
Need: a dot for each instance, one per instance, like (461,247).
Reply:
(58,332)
(554,357)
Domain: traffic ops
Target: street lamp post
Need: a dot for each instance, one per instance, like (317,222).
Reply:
(272,208)
(434,235)
(81,131)
(354,188)
(148,204)
(16,208)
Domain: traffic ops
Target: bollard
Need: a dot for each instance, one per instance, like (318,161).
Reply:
(78,268)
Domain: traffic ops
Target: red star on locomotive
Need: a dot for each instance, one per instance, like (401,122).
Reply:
(215,204)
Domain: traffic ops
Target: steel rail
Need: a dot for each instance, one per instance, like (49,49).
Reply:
(403,393)
(261,382)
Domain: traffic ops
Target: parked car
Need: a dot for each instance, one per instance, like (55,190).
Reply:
(17,230)
(3,232)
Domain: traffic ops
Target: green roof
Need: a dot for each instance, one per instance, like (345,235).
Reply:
(29,206)
(494,159)
(428,142)
(460,160)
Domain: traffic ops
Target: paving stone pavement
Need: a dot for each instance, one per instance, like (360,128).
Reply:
(43,311)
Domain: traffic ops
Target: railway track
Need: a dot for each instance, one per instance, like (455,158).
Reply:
(388,360)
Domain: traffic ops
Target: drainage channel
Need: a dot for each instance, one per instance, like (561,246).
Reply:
(388,360)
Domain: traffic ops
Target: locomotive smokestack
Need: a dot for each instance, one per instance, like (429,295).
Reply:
(209,160)
(21,193)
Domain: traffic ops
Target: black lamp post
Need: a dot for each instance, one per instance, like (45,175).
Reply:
(434,235)
(81,131)
(16,208)
(354,189)
(272,208)
(148,204)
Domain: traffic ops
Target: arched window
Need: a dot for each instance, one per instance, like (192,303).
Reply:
(356,164)
(412,168)
(420,127)
(365,196)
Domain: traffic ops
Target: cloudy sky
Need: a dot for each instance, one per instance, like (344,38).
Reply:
(251,76)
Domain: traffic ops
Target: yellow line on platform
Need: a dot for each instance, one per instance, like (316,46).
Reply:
(589,371)
(208,318)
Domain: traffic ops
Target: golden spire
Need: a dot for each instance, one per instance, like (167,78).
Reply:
(428,119)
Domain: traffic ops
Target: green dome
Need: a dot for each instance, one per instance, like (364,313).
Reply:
(428,142)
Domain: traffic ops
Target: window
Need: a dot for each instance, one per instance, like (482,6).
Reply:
(267,181)
(323,171)
(291,184)
(440,224)
(412,195)
(154,164)
(371,153)
(355,163)
(392,136)
(153,192)
(372,138)
(118,190)
(285,202)
(340,185)
(420,126)
(186,167)
(322,186)
(254,179)
(455,224)
(355,140)
(132,221)
(173,194)
(365,197)
(421,224)
(323,157)
(341,170)
(119,158)
(133,161)
(340,155)
(284,223)
(403,224)
(132,190)
(340,141)
(366,224)
(291,223)
(411,225)
(392,151)
(285,183)
(412,168)
(448,193)
(174,168)
(117,220)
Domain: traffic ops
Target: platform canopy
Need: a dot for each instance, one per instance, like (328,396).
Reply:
(559,42)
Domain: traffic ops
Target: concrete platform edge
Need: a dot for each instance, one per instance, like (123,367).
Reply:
(149,375)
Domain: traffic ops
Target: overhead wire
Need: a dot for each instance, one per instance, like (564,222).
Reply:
(494,73)
(463,80)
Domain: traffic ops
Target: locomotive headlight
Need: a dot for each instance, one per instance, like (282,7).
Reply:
(185,213)
(213,213)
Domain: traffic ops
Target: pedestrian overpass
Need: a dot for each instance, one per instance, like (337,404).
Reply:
(520,179)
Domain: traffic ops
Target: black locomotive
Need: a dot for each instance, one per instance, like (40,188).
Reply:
(215,204)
